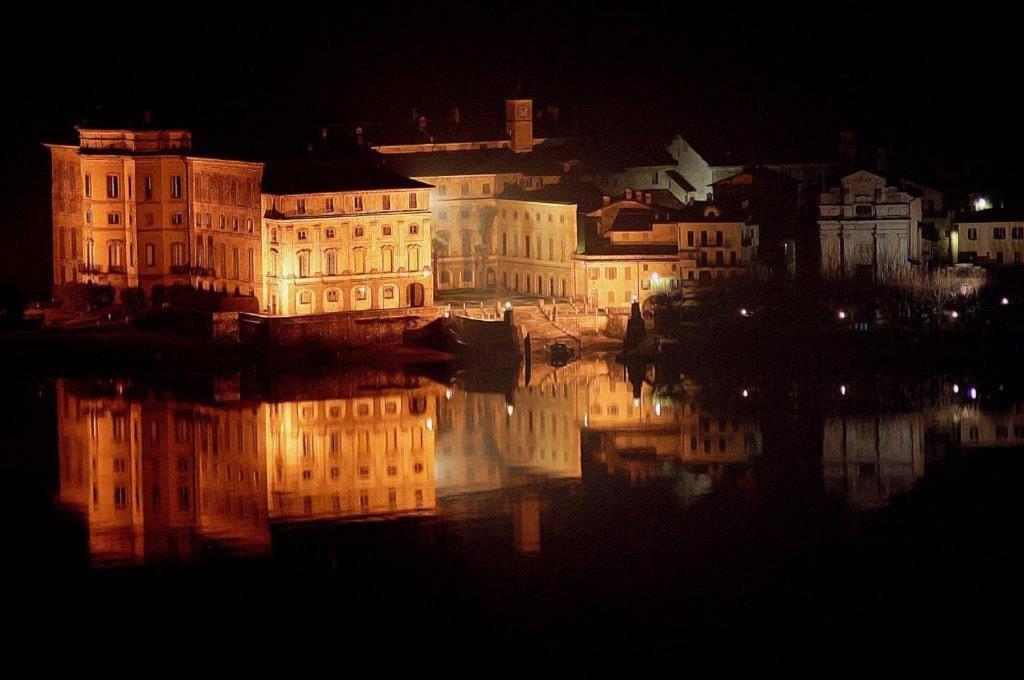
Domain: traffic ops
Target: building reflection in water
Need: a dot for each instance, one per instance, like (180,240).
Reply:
(643,433)
(157,477)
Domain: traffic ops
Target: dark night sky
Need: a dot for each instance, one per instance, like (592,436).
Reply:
(936,88)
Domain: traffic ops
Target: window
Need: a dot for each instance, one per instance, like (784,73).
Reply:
(467,275)
(862,210)
(329,205)
(114,218)
(358,201)
(465,189)
(609,273)
(332,296)
(303,263)
(329,232)
(303,235)
(361,293)
(972,234)
(113,186)
(251,271)
(385,202)
(129,187)
(223,222)
(147,187)
(150,255)
(176,219)
(386,230)
(414,229)
(248,225)
(359,260)
(358,231)
(442,190)
(414,258)
(387,259)
(305,297)
(330,262)
(234,224)
(175,186)
(88,185)
(999,233)
(1017,233)
(300,206)
(412,201)
(487,189)
(389,293)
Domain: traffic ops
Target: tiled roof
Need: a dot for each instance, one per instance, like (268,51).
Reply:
(311,175)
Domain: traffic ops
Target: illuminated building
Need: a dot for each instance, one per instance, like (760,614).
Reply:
(990,237)
(868,230)
(138,208)
(635,248)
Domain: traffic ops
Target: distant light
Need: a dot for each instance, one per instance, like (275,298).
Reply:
(657,408)
(448,394)
(744,312)
(635,297)
(447,311)
(842,390)
(841,315)
(954,314)
(1005,301)
(426,272)
(636,403)
(655,277)
(508,305)
(956,389)
(746,393)
(982,203)
(586,420)
(430,424)
(509,409)
(972,393)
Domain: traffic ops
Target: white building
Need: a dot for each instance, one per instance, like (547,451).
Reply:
(869,230)
(991,237)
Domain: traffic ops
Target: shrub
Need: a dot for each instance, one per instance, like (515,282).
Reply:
(133,299)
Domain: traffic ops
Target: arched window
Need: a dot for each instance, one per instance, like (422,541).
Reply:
(359,260)
(115,255)
(414,258)
(330,262)
(303,262)
(387,259)
(200,260)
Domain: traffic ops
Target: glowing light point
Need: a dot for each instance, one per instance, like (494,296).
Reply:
(955,315)
(447,394)
(635,297)
(636,403)
(1005,301)
(841,315)
(430,424)
(655,277)
(842,390)
(956,389)
(508,306)
(972,393)
(745,393)
(657,408)
(509,409)
(744,312)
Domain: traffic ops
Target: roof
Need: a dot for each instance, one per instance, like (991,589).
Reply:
(706,211)
(990,215)
(679,180)
(313,175)
(585,196)
(539,162)
(758,172)
(594,244)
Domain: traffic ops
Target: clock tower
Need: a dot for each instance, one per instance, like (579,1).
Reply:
(519,124)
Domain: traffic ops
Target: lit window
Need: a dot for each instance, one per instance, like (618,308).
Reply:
(113,186)
(175,186)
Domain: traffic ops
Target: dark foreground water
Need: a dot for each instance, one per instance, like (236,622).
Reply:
(585,518)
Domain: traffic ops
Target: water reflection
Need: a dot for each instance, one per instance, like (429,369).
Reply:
(157,475)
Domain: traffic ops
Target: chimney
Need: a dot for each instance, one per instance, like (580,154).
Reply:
(422,122)
(606,200)
(629,194)
(456,115)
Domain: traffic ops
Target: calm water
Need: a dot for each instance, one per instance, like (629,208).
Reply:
(582,515)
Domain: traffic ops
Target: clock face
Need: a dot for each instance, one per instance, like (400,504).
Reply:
(524,111)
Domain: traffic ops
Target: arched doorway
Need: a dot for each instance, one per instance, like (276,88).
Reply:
(415,294)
